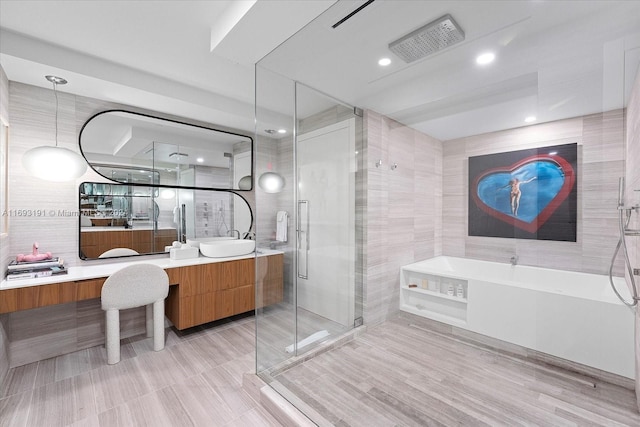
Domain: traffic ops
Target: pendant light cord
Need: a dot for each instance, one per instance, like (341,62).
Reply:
(55,92)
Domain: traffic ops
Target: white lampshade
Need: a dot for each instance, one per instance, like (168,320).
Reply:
(271,182)
(54,163)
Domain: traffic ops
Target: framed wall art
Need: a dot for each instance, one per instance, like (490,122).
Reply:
(525,194)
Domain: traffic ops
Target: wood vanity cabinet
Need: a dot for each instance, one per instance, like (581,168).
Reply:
(41,296)
(209,292)
(197,294)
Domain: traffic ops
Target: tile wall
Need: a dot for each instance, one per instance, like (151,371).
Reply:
(419,210)
(4,238)
(600,139)
(404,208)
(633,197)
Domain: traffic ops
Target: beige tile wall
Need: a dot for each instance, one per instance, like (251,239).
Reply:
(419,210)
(600,163)
(404,208)
(633,197)
(4,238)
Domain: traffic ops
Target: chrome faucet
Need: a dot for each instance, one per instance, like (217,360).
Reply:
(514,260)
(235,231)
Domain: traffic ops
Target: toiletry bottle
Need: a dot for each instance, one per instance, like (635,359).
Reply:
(460,291)
(434,285)
(450,290)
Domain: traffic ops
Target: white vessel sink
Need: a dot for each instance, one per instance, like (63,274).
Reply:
(227,248)
(196,242)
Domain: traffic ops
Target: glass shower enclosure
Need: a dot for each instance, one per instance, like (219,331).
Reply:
(313,144)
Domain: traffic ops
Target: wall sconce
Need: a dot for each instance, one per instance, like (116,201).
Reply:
(54,163)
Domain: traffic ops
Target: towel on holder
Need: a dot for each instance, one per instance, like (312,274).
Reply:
(176,215)
(281,226)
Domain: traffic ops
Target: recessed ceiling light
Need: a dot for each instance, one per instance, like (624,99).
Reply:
(485,58)
(200,160)
(384,62)
(530,119)
(282,131)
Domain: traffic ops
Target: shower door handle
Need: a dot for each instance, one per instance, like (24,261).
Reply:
(303,239)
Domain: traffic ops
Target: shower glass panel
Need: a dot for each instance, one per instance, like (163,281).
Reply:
(314,220)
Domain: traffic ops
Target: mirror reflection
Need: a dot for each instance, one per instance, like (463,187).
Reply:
(124,220)
(135,148)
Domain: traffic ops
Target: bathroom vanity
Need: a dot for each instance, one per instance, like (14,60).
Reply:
(208,292)
(50,316)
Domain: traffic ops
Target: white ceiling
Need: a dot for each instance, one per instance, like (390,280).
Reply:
(555,59)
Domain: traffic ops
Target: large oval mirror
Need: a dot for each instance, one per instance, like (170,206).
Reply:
(121,145)
(124,220)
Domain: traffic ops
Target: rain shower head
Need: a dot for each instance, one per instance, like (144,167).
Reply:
(435,36)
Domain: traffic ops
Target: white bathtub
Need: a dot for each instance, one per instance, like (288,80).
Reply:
(574,316)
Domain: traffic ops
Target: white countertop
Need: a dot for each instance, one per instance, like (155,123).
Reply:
(94,270)
(121,228)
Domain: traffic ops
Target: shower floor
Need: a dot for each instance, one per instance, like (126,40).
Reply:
(398,374)
(276,324)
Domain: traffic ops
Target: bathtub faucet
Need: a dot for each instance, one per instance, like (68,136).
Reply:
(514,260)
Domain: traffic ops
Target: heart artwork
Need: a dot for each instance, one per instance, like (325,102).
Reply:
(527,193)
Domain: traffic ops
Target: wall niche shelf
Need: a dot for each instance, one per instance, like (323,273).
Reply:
(439,298)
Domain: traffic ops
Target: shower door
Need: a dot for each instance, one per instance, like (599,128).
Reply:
(326,224)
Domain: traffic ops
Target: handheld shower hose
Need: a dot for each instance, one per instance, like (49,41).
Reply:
(622,225)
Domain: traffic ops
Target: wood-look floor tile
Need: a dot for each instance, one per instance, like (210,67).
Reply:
(90,421)
(116,384)
(19,379)
(14,409)
(415,376)
(241,338)
(61,367)
(160,408)
(240,366)
(185,356)
(213,348)
(202,403)
(160,369)
(63,402)
(255,417)
(228,389)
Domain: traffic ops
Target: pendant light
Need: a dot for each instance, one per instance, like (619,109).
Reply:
(54,163)
(271,182)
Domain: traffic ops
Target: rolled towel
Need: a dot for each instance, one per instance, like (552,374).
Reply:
(281,226)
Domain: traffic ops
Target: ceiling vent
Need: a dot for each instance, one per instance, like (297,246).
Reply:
(435,36)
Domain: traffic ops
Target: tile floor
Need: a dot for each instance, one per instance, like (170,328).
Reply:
(195,381)
(394,374)
(403,373)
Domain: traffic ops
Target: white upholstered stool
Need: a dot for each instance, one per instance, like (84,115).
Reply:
(134,286)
